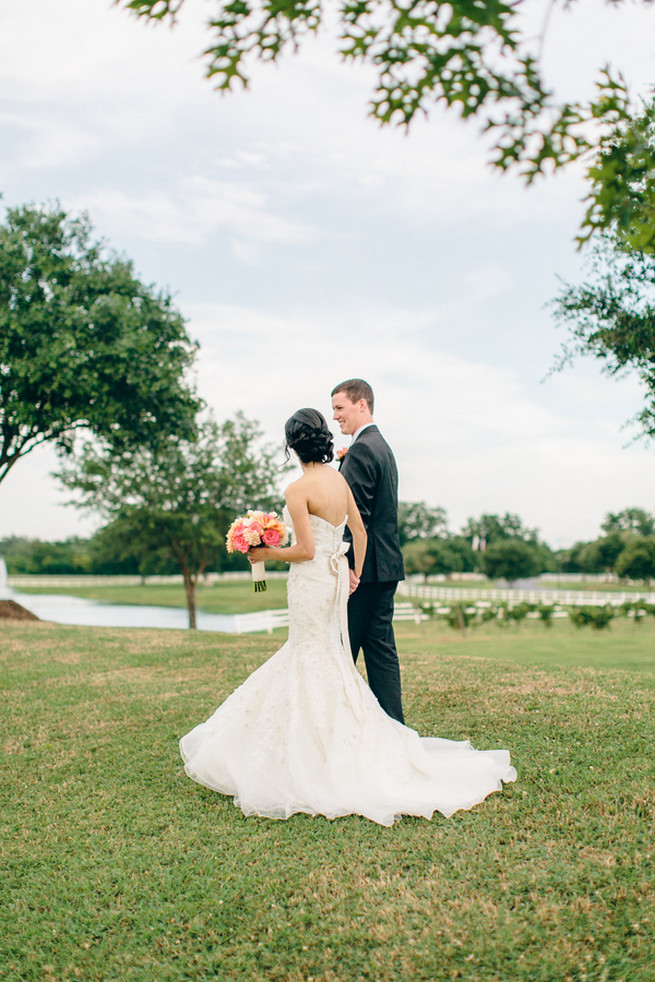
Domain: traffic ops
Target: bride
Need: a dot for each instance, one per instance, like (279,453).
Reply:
(304,733)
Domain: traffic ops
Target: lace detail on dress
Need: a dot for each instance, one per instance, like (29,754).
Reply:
(304,733)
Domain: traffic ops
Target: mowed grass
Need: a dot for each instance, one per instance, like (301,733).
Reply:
(626,644)
(633,586)
(117,867)
(225,597)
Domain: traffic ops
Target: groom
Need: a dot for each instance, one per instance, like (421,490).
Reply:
(370,469)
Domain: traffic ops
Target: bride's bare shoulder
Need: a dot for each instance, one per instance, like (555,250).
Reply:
(295,490)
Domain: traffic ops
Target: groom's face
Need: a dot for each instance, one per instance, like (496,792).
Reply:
(347,414)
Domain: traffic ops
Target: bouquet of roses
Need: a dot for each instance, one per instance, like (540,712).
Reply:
(256,528)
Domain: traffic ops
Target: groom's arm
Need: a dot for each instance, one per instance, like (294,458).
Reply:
(360,469)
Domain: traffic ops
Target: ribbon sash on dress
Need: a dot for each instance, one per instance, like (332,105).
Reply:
(339,566)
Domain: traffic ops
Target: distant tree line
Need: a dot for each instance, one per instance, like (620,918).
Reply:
(627,548)
(106,553)
(500,547)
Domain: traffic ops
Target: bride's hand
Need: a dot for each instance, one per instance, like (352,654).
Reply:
(354,582)
(257,554)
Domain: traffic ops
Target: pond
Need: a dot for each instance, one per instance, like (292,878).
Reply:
(90,613)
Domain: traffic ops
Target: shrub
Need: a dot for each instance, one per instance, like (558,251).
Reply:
(597,618)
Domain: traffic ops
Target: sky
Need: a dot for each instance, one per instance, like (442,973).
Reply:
(305,245)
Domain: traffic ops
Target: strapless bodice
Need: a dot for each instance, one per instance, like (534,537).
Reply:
(327,537)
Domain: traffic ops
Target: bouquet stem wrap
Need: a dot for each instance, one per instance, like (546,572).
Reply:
(259,576)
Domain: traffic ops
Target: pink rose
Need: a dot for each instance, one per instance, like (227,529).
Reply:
(271,537)
(241,543)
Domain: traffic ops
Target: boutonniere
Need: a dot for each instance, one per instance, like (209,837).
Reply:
(342,453)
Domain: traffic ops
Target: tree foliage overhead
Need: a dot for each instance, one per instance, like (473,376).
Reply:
(180,497)
(470,55)
(612,317)
(83,343)
(622,177)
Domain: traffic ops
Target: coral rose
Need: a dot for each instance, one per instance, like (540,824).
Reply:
(241,543)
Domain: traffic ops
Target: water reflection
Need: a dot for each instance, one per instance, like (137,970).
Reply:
(90,613)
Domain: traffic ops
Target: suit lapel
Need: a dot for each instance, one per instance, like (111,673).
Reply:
(369,429)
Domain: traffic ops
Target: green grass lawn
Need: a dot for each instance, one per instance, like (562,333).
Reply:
(595,587)
(625,644)
(118,867)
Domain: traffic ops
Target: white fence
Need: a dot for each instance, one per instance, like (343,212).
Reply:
(568,598)
(270,620)
(261,620)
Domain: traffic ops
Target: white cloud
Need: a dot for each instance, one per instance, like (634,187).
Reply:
(33,504)
(468,436)
(416,254)
(191,211)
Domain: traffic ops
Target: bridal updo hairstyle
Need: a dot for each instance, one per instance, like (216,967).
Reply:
(307,433)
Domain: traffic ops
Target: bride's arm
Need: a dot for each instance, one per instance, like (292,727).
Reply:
(303,549)
(358,532)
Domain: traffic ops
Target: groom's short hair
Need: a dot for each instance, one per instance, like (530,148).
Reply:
(356,389)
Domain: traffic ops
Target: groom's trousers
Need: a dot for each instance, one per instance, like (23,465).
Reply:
(370,626)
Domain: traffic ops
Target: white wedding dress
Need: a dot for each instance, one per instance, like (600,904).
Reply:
(304,733)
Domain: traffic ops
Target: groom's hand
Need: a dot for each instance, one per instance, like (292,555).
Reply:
(354,582)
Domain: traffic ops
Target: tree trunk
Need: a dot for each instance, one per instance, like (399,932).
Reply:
(190,587)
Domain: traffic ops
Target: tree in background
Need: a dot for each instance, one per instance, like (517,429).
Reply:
(637,561)
(180,497)
(83,343)
(417,520)
(418,557)
(512,559)
(569,559)
(432,557)
(634,520)
(481,532)
(23,555)
(601,555)
(118,548)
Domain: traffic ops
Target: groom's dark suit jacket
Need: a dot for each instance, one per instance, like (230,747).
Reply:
(370,469)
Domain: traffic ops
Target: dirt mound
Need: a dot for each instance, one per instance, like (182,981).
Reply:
(9,608)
